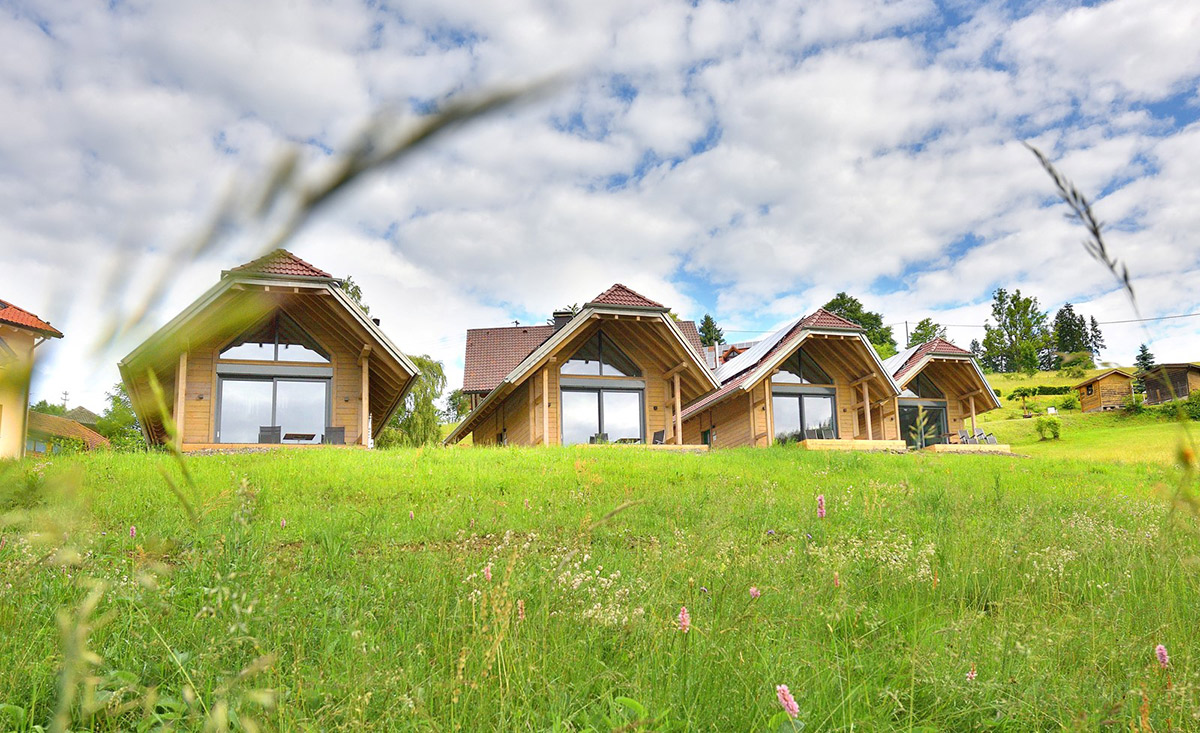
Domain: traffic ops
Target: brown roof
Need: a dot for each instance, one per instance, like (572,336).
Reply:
(61,427)
(933,346)
(82,415)
(822,318)
(692,334)
(620,295)
(281,262)
(494,352)
(1102,375)
(21,318)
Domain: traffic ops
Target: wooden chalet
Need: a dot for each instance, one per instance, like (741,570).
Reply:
(20,333)
(1167,382)
(274,353)
(816,381)
(1105,391)
(943,390)
(618,371)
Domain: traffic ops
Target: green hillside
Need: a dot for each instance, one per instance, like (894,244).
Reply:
(342,589)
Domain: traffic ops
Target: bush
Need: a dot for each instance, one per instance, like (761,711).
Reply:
(1043,389)
(1048,427)
(1133,404)
(1190,407)
(1069,402)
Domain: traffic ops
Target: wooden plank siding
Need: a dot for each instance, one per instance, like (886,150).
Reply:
(957,380)
(1108,393)
(522,411)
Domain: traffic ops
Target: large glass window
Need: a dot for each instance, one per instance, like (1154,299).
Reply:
(922,425)
(299,408)
(602,415)
(803,416)
(799,368)
(278,338)
(923,388)
(600,357)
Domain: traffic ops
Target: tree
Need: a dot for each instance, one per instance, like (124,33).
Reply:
(1019,341)
(573,309)
(925,330)
(458,405)
(355,293)
(418,421)
(1095,338)
(852,309)
(1070,332)
(1144,361)
(976,350)
(710,333)
(49,408)
(1023,393)
(119,423)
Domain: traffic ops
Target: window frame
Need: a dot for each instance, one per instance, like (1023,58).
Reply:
(599,390)
(275,317)
(799,392)
(274,380)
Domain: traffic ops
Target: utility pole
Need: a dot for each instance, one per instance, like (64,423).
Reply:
(907,338)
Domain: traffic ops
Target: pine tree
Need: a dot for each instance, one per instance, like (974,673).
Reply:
(1144,361)
(1095,338)
(976,349)
(710,333)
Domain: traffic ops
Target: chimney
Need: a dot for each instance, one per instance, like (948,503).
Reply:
(561,318)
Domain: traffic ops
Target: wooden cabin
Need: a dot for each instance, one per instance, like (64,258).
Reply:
(49,433)
(816,381)
(1167,382)
(21,332)
(1105,391)
(618,371)
(274,354)
(943,390)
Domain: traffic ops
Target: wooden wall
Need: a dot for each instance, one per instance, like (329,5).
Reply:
(1183,381)
(1108,392)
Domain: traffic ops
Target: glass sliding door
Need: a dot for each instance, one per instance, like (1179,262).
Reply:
(818,417)
(788,428)
(298,407)
(602,415)
(803,416)
(922,425)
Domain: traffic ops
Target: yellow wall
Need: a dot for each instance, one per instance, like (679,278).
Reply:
(14,392)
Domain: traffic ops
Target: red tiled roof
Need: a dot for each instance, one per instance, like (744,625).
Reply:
(822,318)
(620,295)
(933,346)
(21,318)
(494,352)
(281,262)
(734,382)
(53,425)
(692,334)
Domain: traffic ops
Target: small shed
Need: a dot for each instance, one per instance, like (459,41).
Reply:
(1167,382)
(1105,391)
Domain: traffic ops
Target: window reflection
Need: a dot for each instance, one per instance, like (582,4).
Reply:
(278,338)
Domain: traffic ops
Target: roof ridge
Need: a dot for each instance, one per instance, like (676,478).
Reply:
(280,261)
(620,294)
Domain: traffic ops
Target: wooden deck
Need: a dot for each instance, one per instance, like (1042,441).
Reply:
(969,448)
(845,444)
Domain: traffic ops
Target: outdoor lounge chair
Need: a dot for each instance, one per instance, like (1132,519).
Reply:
(991,439)
(659,437)
(827,433)
(334,436)
(965,438)
(270,434)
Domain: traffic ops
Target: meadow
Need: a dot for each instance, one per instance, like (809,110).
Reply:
(541,589)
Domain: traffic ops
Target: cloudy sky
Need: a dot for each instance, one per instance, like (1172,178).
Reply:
(746,159)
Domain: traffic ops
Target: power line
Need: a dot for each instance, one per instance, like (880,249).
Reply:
(1099,323)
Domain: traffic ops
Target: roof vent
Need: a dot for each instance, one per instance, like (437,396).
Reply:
(562,318)
(375,321)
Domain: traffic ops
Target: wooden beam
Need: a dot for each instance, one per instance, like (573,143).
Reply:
(971,399)
(363,438)
(530,407)
(180,396)
(675,370)
(366,352)
(770,408)
(678,411)
(866,392)
(860,380)
(546,406)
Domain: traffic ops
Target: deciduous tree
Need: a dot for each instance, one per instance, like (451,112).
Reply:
(851,308)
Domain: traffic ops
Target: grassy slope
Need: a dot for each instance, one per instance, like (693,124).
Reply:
(1053,579)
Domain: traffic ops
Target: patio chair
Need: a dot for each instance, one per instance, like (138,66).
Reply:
(991,439)
(827,433)
(980,436)
(334,436)
(659,437)
(270,434)
(598,438)
(964,437)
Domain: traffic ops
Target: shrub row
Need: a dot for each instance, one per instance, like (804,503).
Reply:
(1189,406)
(1045,389)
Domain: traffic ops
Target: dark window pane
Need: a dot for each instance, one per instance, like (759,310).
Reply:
(818,416)
(787,417)
(580,416)
(622,415)
(245,407)
(300,410)
(812,373)
(616,363)
(789,371)
(585,361)
(259,343)
(296,345)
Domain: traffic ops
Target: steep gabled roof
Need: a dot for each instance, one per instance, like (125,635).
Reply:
(82,415)
(692,334)
(1102,375)
(822,318)
(494,352)
(618,294)
(65,428)
(21,318)
(904,362)
(281,263)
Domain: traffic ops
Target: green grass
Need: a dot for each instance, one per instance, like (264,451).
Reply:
(1105,436)
(1053,579)
(1008,382)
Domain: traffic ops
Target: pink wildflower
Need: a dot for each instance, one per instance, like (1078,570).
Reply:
(1164,660)
(685,619)
(487,572)
(971,674)
(282,523)
(132,531)
(410,514)
(754,592)
(820,506)
(526,503)
(837,580)
(787,701)
(520,609)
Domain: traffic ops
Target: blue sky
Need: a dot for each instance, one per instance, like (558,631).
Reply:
(746,159)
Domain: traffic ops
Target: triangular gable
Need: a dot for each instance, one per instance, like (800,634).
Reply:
(281,263)
(618,294)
